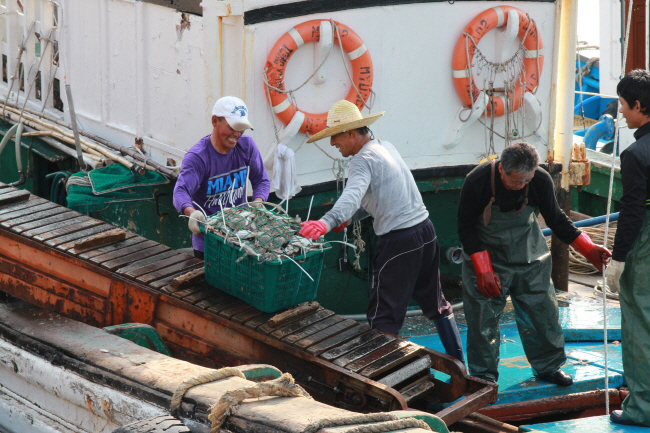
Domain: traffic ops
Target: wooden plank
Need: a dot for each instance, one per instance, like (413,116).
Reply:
(68,241)
(175,269)
(161,263)
(360,352)
(319,336)
(61,228)
(235,309)
(217,296)
(403,354)
(33,201)
(316,327)
(52,216)
(142,254)
(112,236)
(293,314)
(293,327)
(130,270)
(376,355)
(115,253)
(408,371)
(338,339)
(246,315)
(258,320)
(194,277)
(14,197)
(216,308)
(26,212)
(353,344)
(165,281)
(198,296)
(130,239)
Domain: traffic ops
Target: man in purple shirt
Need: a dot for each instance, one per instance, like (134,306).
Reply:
(214,171)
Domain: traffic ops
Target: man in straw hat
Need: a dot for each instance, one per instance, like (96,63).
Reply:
(381,185)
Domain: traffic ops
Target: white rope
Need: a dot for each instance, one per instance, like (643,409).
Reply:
(609,204)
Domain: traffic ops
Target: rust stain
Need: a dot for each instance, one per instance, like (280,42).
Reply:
(89,403)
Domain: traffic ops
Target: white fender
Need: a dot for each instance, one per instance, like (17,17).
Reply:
(323,47)
(510,44)
(534,115)
(458,128)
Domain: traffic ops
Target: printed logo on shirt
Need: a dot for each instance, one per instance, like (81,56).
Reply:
(241,109)
(226,189)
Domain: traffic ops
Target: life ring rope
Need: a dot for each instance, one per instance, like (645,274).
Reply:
(282,101)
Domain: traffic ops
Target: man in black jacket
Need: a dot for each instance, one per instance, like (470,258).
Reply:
(629,271)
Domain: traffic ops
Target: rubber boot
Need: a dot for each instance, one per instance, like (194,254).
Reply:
(450,337)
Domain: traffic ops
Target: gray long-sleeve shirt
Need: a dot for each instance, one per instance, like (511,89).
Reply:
(379,182)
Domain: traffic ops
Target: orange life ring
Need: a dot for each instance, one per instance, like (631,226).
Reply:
(533,58)
(286,46)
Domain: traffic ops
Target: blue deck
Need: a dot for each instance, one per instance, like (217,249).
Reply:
(586,358)
(594,424)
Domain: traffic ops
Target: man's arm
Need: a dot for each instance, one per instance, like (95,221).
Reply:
(554,216)
(350,200)
(258,176)
(187,184)
(633,204)
(473,199)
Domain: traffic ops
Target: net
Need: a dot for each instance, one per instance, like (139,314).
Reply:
(97,189)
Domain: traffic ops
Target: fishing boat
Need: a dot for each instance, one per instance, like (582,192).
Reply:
(131,84)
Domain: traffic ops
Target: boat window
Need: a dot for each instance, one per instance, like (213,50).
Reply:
(56,94)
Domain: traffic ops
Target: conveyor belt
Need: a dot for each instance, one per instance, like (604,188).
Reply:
(46,259)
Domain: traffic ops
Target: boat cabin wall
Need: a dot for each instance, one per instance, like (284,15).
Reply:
(139,70)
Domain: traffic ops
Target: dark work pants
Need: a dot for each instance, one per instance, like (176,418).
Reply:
(406,266)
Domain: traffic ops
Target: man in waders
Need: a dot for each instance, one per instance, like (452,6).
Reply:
(506,255)
(406,264)
(629,272)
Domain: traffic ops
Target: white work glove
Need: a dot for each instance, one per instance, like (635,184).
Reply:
(614,271)
(256,203)
(196,219)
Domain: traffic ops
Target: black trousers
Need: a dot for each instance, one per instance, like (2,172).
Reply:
(406,266)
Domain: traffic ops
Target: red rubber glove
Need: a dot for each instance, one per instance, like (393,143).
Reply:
(313,229)
(339,229)
(597,255)
(486,279)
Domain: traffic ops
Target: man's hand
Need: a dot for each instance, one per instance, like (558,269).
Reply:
(614,271)
(313,229)
(196,219)
(597,255)
(487,280)
(339,229)
(256,203)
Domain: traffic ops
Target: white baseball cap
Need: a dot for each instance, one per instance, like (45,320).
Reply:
(234,111)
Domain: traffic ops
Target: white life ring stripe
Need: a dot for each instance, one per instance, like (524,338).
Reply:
(358,52)
(296,37)
(533,54)
(460,73)
(500,16)
(281,106)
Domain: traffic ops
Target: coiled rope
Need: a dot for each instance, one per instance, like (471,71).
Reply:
(284,386)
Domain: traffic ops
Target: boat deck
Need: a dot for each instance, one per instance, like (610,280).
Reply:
(72,264)
(595,424)
(521,396)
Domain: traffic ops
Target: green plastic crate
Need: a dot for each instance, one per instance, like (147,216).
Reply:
(268,286)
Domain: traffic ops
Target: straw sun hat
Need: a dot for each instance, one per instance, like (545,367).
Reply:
(344,116)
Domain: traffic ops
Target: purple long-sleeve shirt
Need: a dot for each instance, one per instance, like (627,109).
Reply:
(214,180)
